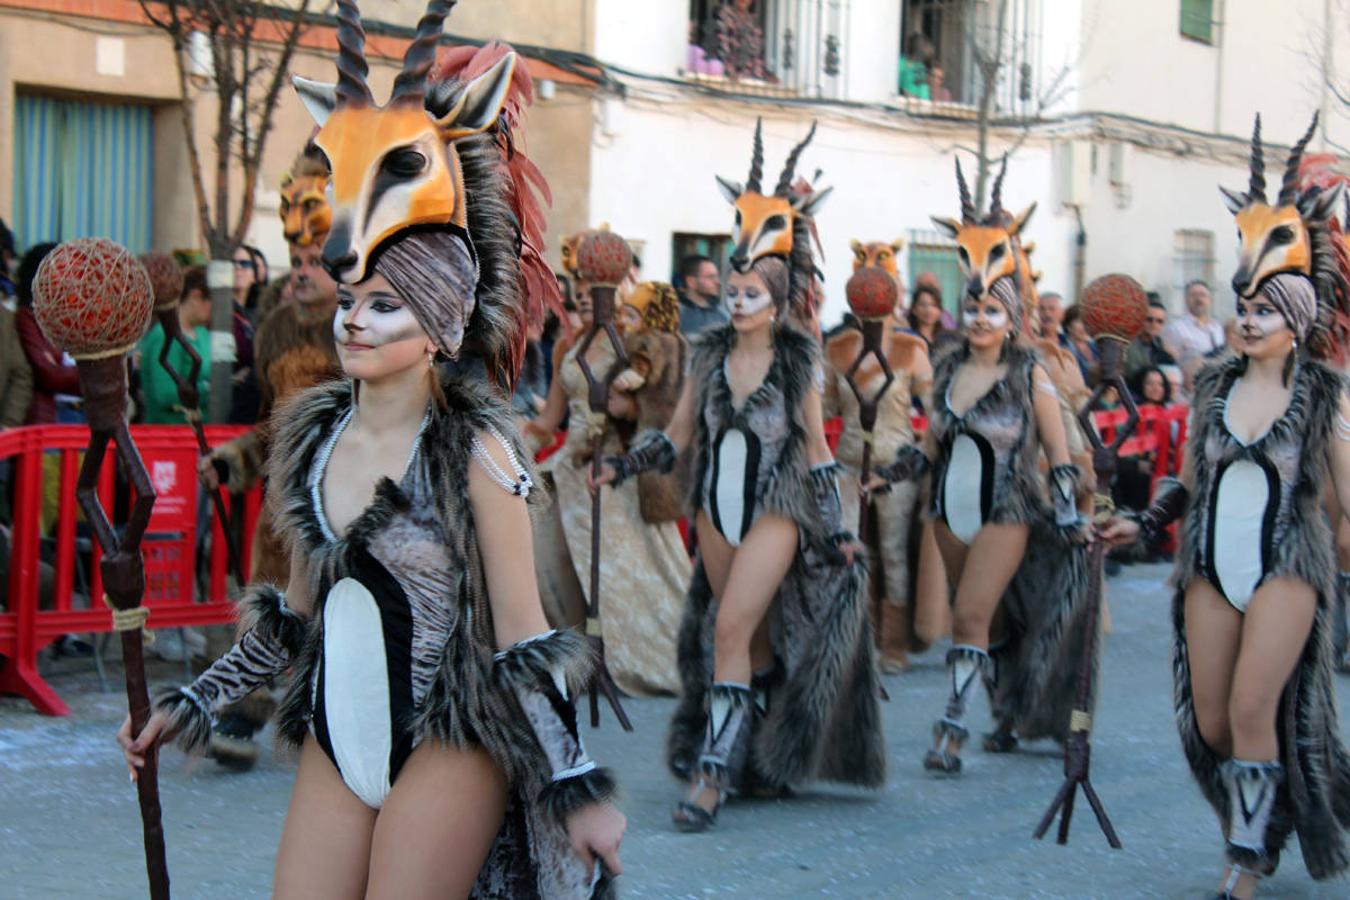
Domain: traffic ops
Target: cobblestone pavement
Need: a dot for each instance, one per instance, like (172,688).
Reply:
(69,826)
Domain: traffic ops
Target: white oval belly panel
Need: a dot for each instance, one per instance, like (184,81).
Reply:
(356,690)
(961,489)
(732,454)
(1242,496)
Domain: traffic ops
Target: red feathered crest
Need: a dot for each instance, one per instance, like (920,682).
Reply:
(527,191)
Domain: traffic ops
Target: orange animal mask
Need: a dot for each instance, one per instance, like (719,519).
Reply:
(877,253)
(764,222)
(395,166)
(305,216)
(1276,238)
(988,249)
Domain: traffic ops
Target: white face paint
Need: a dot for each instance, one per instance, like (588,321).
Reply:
(1258,318)
(376,332)
(990,314)
(745,299)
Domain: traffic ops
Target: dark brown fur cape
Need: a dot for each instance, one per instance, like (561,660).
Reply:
(472,701)
(1315,797)
(823,721)
(1037,653)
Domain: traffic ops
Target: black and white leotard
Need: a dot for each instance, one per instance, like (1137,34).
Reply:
(1246,503)
(388,613)
(985,466)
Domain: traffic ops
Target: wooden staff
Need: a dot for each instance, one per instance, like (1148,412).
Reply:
(1115,307)
(93,299)
(872,294)
(603,272)
(166,311)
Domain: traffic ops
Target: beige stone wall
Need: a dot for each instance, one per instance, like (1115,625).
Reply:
(557,134)
(564,24)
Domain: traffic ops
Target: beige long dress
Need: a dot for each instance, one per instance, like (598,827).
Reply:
(644,570)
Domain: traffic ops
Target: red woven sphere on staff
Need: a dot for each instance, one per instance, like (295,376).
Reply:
(166,278)
(604,258)
(92,298)
(1114,306)
(872,293)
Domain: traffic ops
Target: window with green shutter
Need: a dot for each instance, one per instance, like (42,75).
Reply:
(1197,20)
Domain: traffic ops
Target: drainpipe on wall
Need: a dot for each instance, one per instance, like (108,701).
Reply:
(1328,69)
(1079,255)
(1219,41)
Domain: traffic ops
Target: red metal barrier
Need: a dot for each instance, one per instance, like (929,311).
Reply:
(170,454)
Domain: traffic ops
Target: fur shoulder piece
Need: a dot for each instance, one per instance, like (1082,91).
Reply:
(842,349)
(303,421)
(307,418)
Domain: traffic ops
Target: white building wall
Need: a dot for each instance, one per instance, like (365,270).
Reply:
(650,36)
(654,178)
(1266,57)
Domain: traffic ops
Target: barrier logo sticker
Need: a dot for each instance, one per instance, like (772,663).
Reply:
(164,475)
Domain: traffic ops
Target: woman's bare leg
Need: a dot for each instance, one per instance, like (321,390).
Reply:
(998,549)
(325,843)
(749,575)
(1213,632)
(437,825)
(757,569)
(715,553)
(932,597)
(1274,632)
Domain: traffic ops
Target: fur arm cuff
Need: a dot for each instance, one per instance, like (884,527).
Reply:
(1064,494)
(652,450)
(242,461)
(910,465)
(270,636)
(1169,504)
(543,673)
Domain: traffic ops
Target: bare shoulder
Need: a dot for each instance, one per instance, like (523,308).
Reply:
(496,474)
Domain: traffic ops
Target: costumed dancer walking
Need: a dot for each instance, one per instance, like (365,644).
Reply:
(779,683)
(293,350)
(891,512)
(646,567)
(1015,562)
(1255,576)
(439,751)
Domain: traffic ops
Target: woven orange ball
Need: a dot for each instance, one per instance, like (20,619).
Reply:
(1114,306)
(92,298)
(166,278)
(872,293)
(603,258)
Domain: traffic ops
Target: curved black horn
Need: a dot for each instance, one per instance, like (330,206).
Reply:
(967,205)
(1256,188)
(1289,188)
(757,160)
(790,167)
(996,196)
(351,62)
(411,83)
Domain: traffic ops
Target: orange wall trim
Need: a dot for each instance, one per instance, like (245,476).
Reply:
(315,37)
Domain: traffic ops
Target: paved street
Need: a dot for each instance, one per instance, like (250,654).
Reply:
(69,826)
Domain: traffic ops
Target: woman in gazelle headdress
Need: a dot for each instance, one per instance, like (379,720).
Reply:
(439,751)
(1255,576)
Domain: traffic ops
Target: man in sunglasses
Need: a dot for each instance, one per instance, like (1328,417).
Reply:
(1149,348)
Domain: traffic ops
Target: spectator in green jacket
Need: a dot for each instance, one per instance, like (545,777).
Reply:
(157,388)
(914,65)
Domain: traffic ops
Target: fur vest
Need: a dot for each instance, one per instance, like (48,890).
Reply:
(1315,798)
(470,701)
(822,720)
(1038,653)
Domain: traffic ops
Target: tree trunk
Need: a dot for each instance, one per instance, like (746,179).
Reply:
(220,281)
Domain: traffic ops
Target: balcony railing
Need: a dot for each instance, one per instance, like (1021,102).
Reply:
(774,48)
